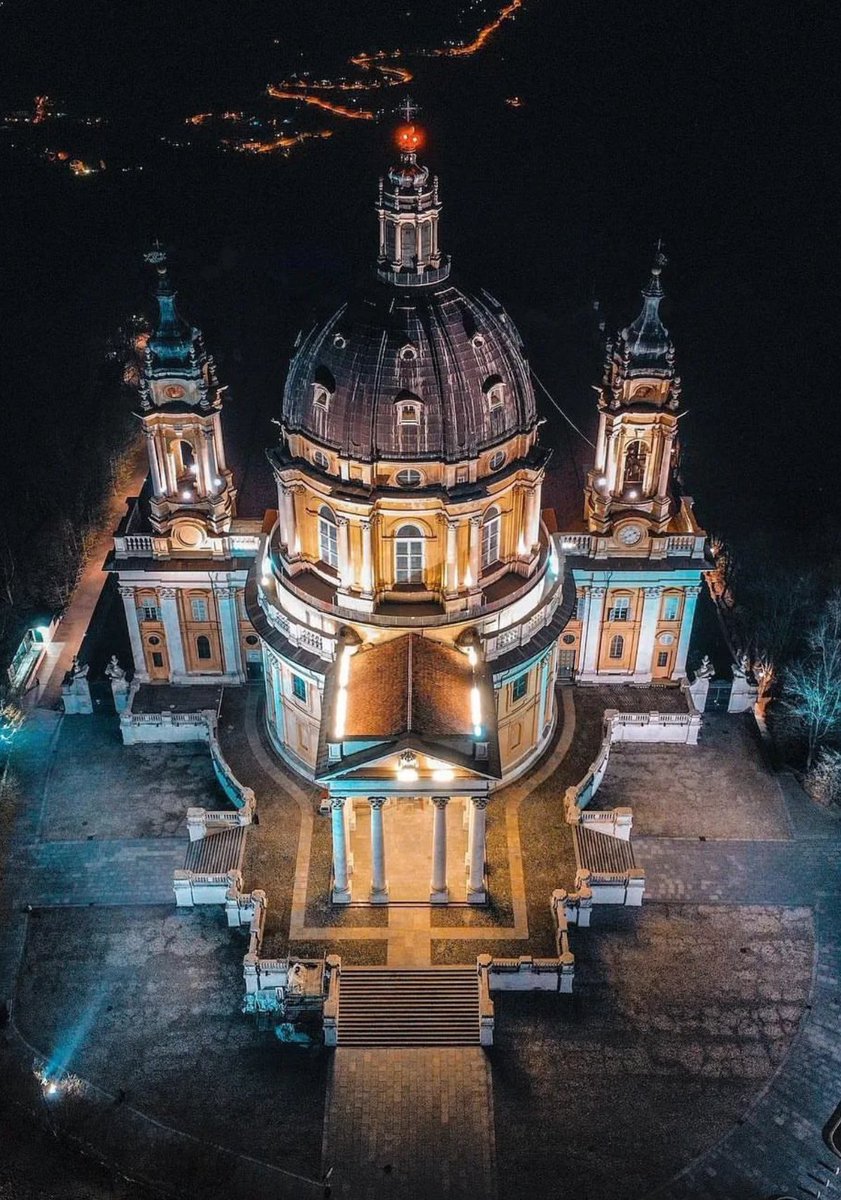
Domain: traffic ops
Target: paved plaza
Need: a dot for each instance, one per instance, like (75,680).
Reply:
(699,1055)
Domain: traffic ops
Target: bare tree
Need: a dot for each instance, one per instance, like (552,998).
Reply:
(812,683)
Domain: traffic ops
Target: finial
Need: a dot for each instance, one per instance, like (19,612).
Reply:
(655,288)
(157,255)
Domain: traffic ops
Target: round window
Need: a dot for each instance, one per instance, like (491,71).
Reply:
(497,460)
(408,353)
(410,478)
(252,639)
(666,639)
(320,459)
(339,341)
(154,641)
(568,639)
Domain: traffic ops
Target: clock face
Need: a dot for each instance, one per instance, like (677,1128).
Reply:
(629,535)
(173,391)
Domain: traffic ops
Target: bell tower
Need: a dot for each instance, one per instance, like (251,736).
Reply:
(638,401)
(180,409)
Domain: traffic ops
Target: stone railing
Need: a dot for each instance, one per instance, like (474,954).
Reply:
(486,1004)
(654,727)
(614,821)
(314,640)
(570,908)
(331,1003)
(238,794)
(675,545)
(192,887)
(164,726)
(528,974)
(144,545)
(201,821)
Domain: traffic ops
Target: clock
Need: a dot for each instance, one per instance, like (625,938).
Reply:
(629,535)
(173,391)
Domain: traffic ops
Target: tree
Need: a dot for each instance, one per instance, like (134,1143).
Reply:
(812,683)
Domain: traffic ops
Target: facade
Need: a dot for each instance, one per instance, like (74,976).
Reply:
(412,600)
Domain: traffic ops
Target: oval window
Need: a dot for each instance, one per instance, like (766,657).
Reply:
(496,460)
(154,641)
(320,459)
(666,639)
(568,639)
(410,478)
(252,639)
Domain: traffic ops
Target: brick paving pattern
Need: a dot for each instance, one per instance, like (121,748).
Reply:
(410,1124)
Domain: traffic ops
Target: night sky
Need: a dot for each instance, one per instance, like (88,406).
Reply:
(706,125)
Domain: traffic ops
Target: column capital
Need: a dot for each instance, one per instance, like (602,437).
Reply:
(337,801)
(480,802)
(694,590)
(440,801)
(376,801)
(126,590)
(597,591)
(167,593)
(474,521)
(655,589)
(343,521)
(366,523)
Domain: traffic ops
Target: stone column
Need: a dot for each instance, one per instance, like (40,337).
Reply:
(229,630)
(366,526)
(379,886)
(690,600)
(341,882)
(172,627)
(451,565)
(218,443)
(475,553)
(130,605)
(207,464)
(592,631)
(531,520)
(648,627)
(288,527)
(169,469)
(345,564)
(544,692)
(277,690)
(663,482)
(476,869)
(439,892)
(158,481)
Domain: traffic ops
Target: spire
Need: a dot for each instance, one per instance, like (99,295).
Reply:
(645,343)
(174,346)
(408,208)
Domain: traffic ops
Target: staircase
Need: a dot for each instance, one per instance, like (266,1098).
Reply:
(417,1006)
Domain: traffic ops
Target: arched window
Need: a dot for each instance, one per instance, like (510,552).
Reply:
(635,458)
(320,459)
(408,245)
(490,538)
(408,408)
(328,537)
(408,555)
(203,647)
(324,385)
(617,647)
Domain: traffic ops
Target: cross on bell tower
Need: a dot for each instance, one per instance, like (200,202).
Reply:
(180,409)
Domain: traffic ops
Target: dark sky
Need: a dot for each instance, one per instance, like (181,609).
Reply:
(707,125)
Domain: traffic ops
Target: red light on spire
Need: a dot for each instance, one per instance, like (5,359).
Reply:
(409,138)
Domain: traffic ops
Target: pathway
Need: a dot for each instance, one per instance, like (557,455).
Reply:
(76,620)
(410,1124)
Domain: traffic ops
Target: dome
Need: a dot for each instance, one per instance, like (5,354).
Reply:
(409,372)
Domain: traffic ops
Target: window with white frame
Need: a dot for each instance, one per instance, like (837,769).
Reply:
(619,609)
(490,538)
(320,395)
(149,611)
(519,687)
(299,688)
(408,555)
(328,537)
(198,608)
(671,608)
(494,389)
(408,413)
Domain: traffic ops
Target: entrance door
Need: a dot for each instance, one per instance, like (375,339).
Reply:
(566,664)
(718,696)
(157,659)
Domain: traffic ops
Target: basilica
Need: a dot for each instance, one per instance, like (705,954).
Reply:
(426,577)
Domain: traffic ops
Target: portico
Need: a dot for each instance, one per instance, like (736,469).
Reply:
(401,847)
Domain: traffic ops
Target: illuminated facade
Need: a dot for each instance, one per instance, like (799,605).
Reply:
(412,600)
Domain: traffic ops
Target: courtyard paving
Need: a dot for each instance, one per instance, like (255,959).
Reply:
(699,1056)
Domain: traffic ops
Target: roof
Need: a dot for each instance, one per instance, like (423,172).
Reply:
(437,347)
(411,692)
(410,683)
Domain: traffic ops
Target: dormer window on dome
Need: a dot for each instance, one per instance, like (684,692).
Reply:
(408,353)
(323,388)
(494,389)
(408,409)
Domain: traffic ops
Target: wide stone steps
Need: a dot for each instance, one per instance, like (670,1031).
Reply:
(416,1006)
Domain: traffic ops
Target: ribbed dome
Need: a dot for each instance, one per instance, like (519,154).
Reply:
(456,358)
